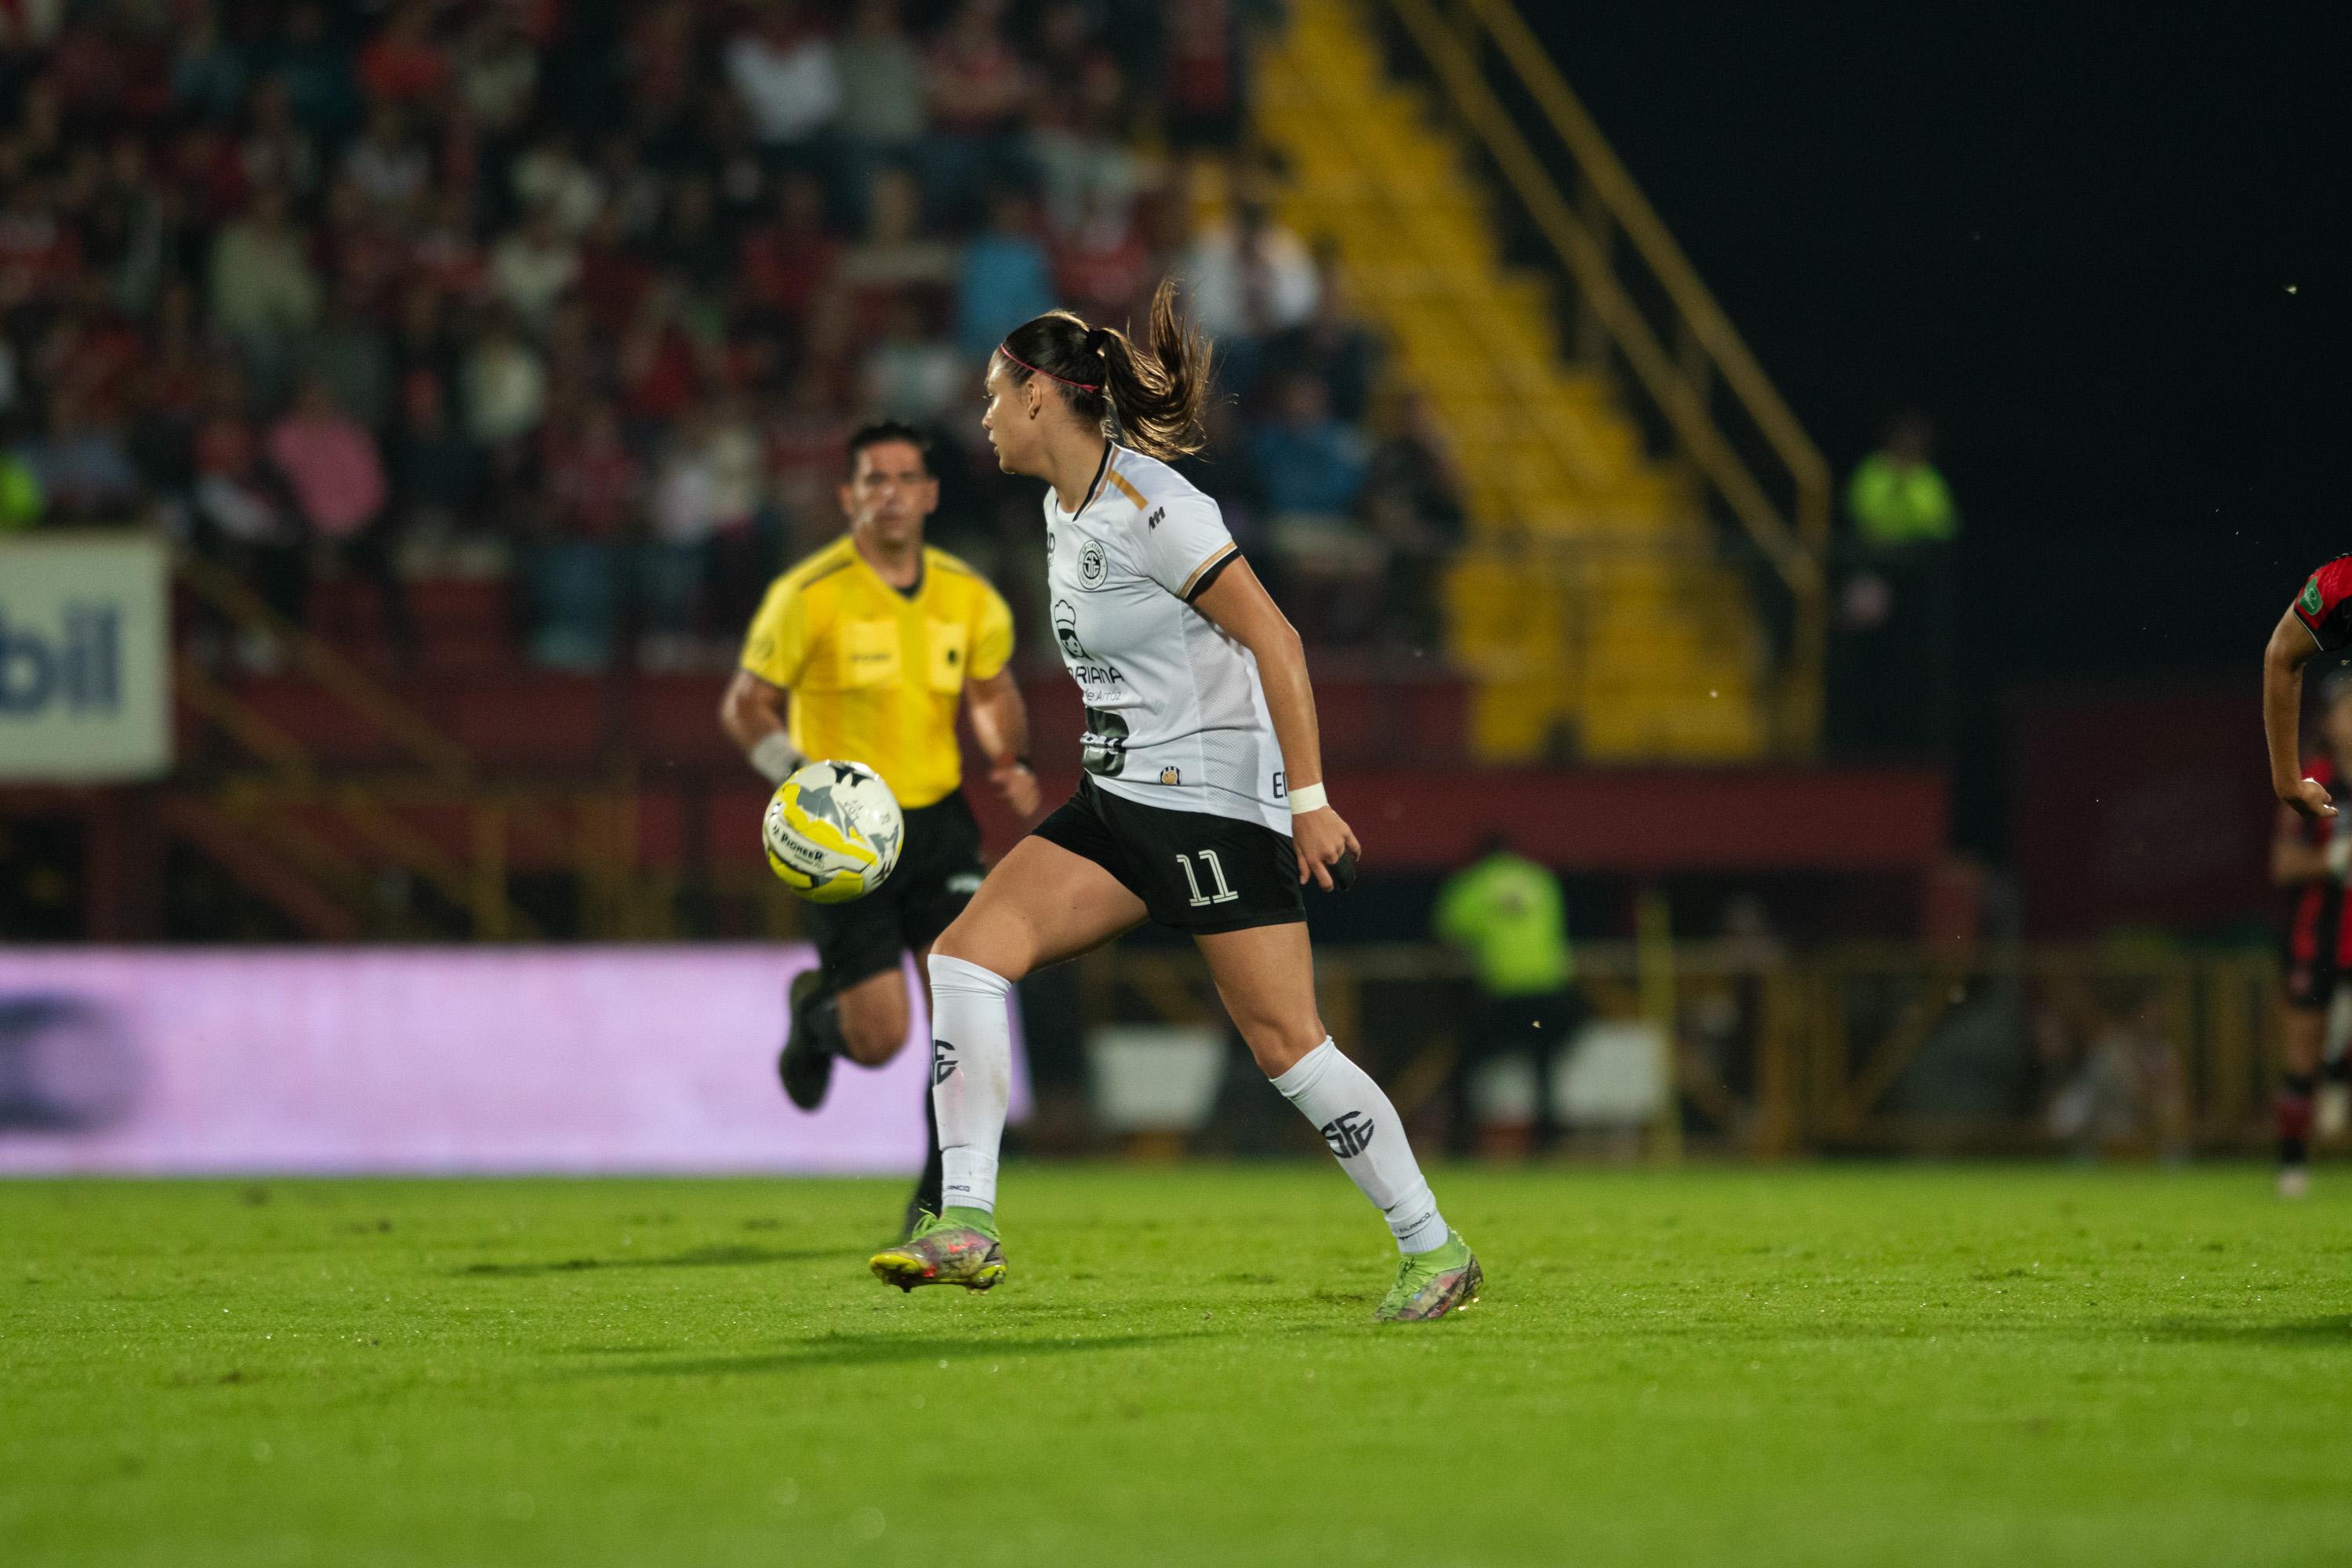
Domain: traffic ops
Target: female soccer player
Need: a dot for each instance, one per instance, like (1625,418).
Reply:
(2312,855)
(1201,806)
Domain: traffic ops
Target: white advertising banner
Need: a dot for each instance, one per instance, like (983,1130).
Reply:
(420,1060)
(85,640)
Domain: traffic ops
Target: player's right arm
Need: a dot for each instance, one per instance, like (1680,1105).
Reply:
(2314,622)
(755,710)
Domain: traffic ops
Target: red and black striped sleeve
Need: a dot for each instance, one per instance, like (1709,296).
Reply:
(2324,606)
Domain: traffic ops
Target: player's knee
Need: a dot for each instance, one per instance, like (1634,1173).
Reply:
(870,1043)
(974,942)
(1277,1045)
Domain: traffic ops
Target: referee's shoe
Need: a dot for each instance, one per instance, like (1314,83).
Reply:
(807,1061)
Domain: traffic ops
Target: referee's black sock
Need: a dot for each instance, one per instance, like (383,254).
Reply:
(2294,1116)
(822,1021)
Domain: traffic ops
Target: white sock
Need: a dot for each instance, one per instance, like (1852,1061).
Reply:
(971,1077)
(1364,1130)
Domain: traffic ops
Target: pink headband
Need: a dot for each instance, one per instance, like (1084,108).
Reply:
(1033,370)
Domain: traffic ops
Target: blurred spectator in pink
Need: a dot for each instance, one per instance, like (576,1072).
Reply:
(335,478)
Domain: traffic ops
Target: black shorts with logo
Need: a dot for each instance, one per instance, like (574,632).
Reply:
(938,870)
(1194,871)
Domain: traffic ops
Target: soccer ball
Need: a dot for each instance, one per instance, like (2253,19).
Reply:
(833,831)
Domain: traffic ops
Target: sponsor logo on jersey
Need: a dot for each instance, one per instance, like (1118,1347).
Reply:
(1085,668)
(2311,595)
(1349,1133)
(1093,564)
(1153,520)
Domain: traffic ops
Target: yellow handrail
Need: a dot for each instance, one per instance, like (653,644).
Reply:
(1709,325)
(1794,541)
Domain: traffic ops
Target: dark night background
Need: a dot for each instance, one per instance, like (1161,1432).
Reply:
(2070,239)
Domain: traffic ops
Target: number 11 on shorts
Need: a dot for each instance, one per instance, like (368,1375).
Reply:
(1223,894)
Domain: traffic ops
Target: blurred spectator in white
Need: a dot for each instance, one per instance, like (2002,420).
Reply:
(498,71)
(882,108)
(1006,279)
(387,163)
(263,291)
(505,384)
(550,178)
(1249,275)
(910,376)
(533,266)
(782,69)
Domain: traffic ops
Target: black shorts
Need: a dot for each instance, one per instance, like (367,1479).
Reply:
(1194,871)
(938,870)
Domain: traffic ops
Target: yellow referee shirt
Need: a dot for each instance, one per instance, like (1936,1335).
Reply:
(875,674)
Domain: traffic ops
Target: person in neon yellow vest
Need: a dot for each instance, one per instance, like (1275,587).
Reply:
(1508,914)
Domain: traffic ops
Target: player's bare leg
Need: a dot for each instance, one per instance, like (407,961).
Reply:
(1040,905)
(1265,976)
(2304,1035)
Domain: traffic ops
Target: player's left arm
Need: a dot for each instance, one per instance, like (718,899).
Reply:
(2291,646)
(1000,722)
(1238,603)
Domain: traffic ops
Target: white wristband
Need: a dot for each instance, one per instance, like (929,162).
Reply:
(775,757)
(1306,798)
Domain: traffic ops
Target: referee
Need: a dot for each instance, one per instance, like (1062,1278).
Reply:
(863,653)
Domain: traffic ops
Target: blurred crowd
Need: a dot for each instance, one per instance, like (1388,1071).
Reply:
(586,294)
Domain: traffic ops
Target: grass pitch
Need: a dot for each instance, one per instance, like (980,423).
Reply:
(1818,1366)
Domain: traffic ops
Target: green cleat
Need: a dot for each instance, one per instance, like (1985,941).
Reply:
(1431,1284)
(959,1247)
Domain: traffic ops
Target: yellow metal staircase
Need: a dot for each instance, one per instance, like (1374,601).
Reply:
(1593,609)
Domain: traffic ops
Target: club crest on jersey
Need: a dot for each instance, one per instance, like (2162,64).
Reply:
(2311,595)
(1093,564)
(1172,776)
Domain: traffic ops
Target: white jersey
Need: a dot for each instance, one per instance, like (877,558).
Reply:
(1175,716)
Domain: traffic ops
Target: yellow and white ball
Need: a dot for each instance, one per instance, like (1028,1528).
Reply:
(833,831)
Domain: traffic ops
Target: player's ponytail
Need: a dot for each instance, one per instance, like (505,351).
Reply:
(1147,395)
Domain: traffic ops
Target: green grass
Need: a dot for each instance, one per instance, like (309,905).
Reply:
(1882,1365)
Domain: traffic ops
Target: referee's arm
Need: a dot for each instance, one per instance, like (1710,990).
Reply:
(754,714)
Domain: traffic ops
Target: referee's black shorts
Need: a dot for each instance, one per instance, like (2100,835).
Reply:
(1194,871)
(938,870)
